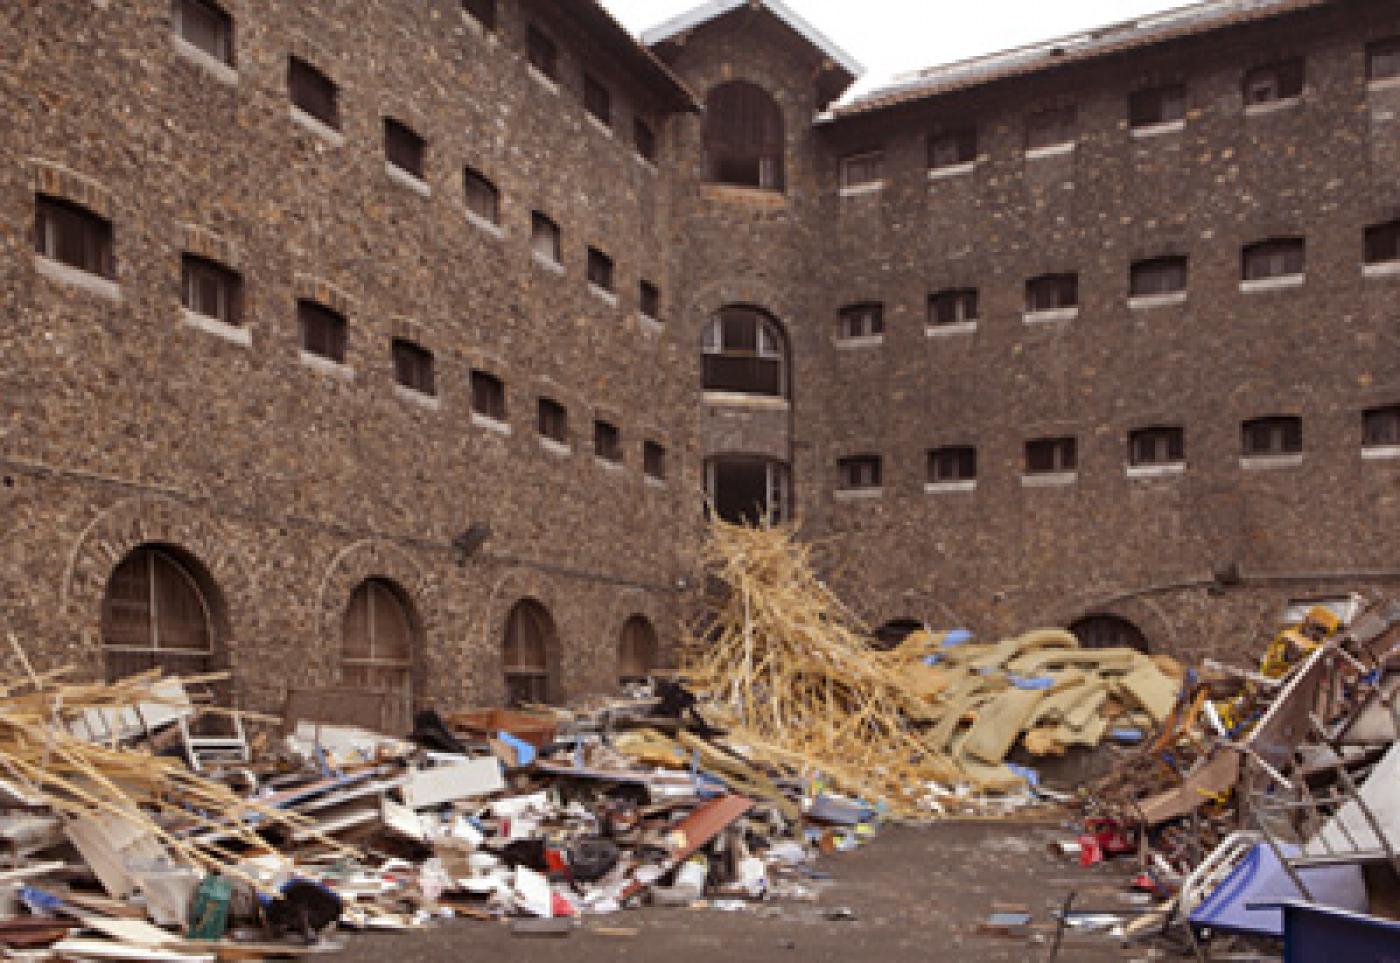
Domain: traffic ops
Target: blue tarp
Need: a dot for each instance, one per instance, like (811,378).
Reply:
(1260,878)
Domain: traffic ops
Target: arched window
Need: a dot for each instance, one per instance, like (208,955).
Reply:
(531,649)
(745,353)
(156,614)
(893,633)
(377,655)
(636,651)
(1108,632)
(743,137)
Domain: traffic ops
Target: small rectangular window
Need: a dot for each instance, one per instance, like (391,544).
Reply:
(1050,292)
(323,331)
(488,395)
(1157,446)
(1048,456)
(206,26)
(952,464)
(1051,128)
(1160,275)
(543,54)
(654,460)
(1383,243)
(1274,258)
(1381,427)
(645,139)
(210,289)
(607,441)
(863,170)
(483,11)
(1383,59)
(861,320)
(403,148)
(1281,435)
(544,238)
(1268,83)
(600,269)
(597,100)
(952,148)
(483,199)
(313,92)
(554,421)
(952,306)
(74,235)
(860,472)
(649,300)
(1157,105)
(413,367)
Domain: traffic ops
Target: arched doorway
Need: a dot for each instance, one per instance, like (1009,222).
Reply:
(160,611)
(744,137)
(1108,632)
(378,640)
(637,651)
(530,655)
(745,353)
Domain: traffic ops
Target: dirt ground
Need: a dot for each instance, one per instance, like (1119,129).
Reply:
(915,894)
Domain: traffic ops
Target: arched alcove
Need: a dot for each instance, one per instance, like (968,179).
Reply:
(744,143)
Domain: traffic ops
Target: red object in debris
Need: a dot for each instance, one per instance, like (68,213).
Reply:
(707,822)
(555,861)
(1089,851)
(1144,883)
(1105,838)
(562,907)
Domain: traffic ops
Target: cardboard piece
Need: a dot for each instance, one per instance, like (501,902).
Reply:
(425,788)
(1000,723)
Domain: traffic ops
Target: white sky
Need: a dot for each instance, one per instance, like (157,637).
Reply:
(892,36)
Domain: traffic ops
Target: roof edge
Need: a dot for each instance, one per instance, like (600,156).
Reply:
(714,9)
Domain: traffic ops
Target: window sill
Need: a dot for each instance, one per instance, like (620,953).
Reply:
(1146,302)
(1271,106)
(602,126)
(736,399)
(72,277)
(407,180)
(1166,470)
(233,333)
(550,85)
(859,190)
(653,482)
(1267,462)
(327,366)
(1148,131)
(1050,479)
(951,330)
(649,324)
(603,294)
(1050,150)
(1273,284)
(1383,269)
(490,424)
(950,487)
(557,448)
(608,464)
(485,226)
(1050,316)
(1384,83)
(952,170)
(1380,452)
(213,66)
(864,341)
(317,126)
(477,27)
(858,494)
(415,397)
(649,164)
(740,193)
(548,264)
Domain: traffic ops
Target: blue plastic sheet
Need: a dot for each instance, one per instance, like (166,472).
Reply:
(1261,882)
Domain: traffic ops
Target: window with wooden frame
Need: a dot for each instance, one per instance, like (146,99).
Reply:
(644,138)
(1160,445)
(542,53)
(1383,243)
(1051,128)
(654,460)
(1052,456)
(210,289)
(1156,106)
(597,100)
(607,441)
(482,11)
(403,148)
(553,421)
(1275,435)
(544,239)
(313,93)
(483,199)
(377,639)
(75,236)
(206,26)
(488,395)
(952,306)
(1275,258)
(863,170)
(413,367)
(529,654)
(1052,292)
(324,332)
(649,300)
(952,148)
(1383,59)
(1380,427)
(1157,276)
(744,353)
(743,137)
(859,473)
(600,270)
(156,613)
(955,463)
(636,651)
(1274,82)
(864,320)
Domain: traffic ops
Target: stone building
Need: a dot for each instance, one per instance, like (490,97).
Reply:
(378,345)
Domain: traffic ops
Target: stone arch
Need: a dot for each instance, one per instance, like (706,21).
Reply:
(745,349)
(514,584)
(633,602)
(1100,630)
(381,650)
(531,654)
